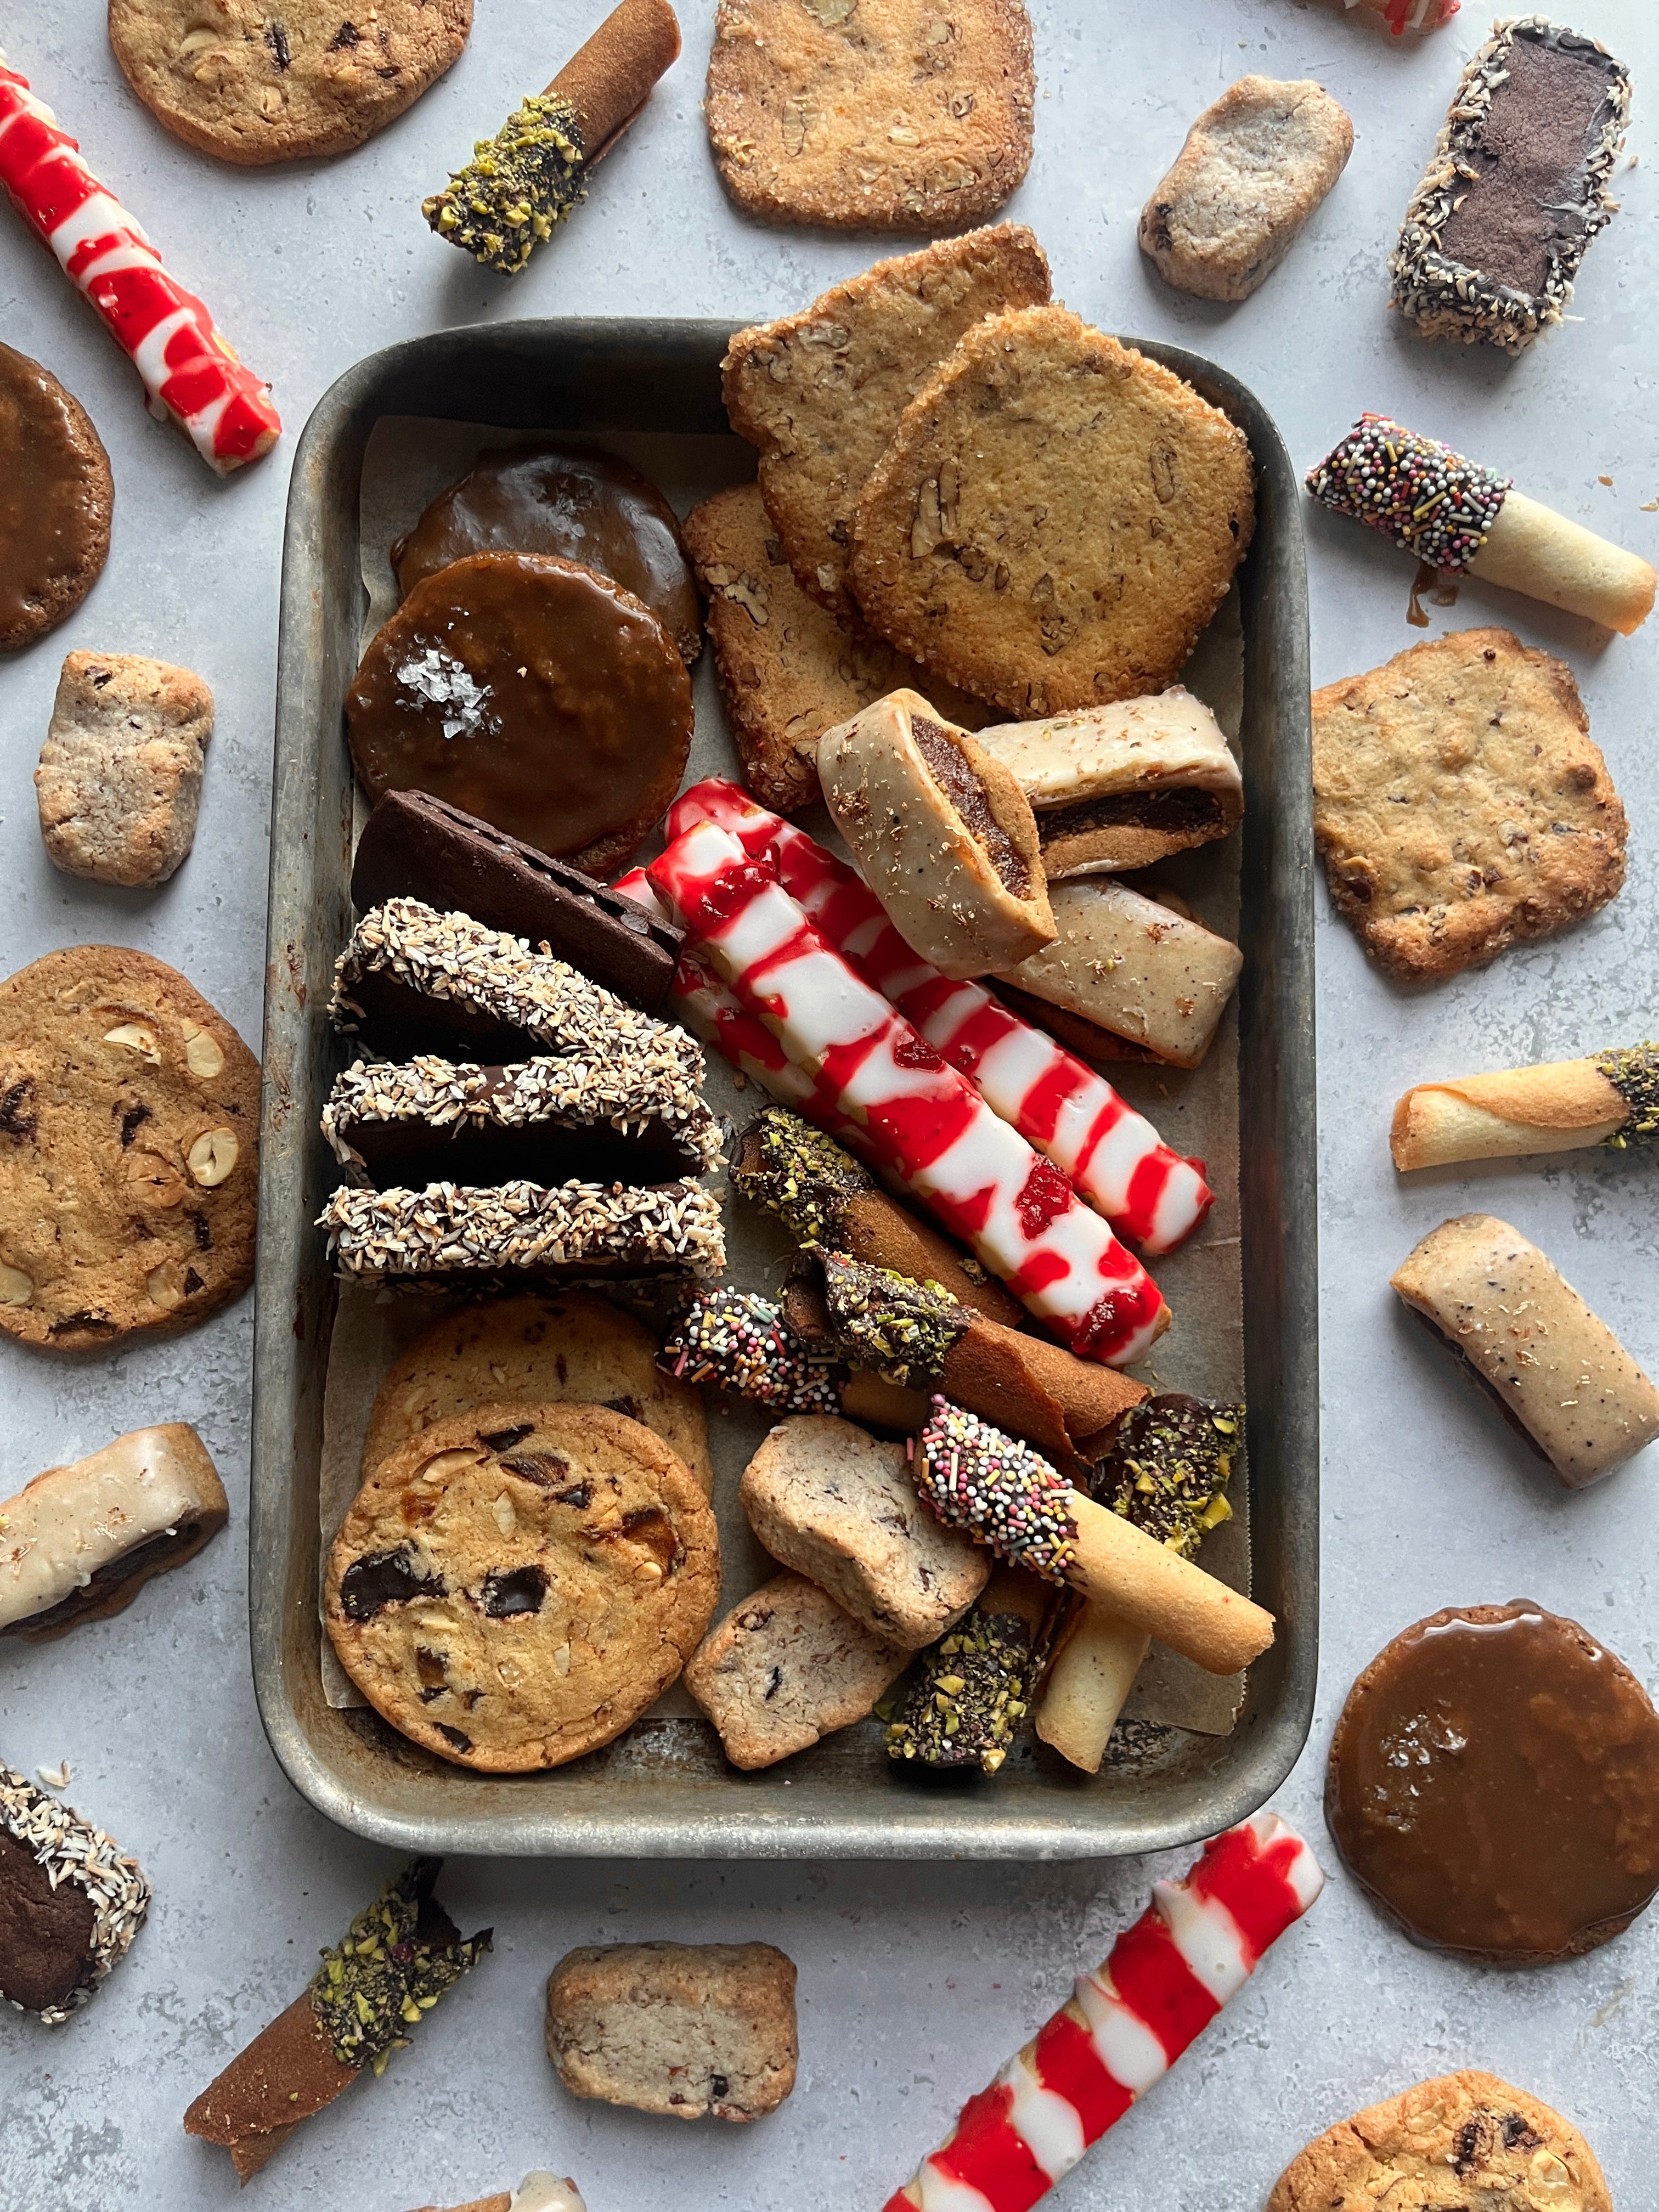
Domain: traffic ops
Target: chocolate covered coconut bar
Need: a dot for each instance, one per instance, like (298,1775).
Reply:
(70,1902)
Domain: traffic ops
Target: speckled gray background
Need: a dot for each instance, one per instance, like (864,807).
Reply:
(916,1982)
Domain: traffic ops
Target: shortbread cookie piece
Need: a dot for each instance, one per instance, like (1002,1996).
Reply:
(821,394)
(693,2031)
(78,1541)
(1255,165)
(70,1902)
(788,672)
(129,1151)
(903,115)
(1468,2137)
(572,1231)
(835,1502)
(120,773)
(569,1348)
(1460,804)
(787,1668)
(518,1584)
(253,84)
(1055,519)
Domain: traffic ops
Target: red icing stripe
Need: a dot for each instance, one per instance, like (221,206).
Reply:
(1146,1187)
(1254,1885)
(1158,1986)
(1068,2064)
(900,2201)
(923,1128)
(987,2154)
(1040,1109)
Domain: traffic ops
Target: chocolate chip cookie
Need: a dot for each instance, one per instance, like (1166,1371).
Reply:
(129,1151)
(517,1585)
(289,82)
(55,498)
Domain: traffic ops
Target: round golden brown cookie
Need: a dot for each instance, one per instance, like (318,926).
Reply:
(569,1348)
(1466,2142)
(129,1151)
(56,497)
(532,692)
(255,81)
(520,1583)
(1056,519)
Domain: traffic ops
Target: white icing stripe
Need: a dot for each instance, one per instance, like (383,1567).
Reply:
(943,2192)
(98,215)
(1047,2124)
(1123,2043)
(149,355)
(1178,1205)
(1207,1937)
(545,2192)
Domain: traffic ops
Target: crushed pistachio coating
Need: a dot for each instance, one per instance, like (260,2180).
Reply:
(902,1328)
(1168,1469)
(802,1176)
(399,1957)
(517,185)
(1634,1072)
(969,1695)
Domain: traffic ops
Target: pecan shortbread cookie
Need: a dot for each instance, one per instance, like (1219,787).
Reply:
(120,774)
(820,392)
(1459,803)
(518,1584)
(787,1668)
(129,1151)
(255,83)
(907,115)
(1055,519)
(1466,2142)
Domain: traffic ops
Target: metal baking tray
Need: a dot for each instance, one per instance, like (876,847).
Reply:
(663,1790)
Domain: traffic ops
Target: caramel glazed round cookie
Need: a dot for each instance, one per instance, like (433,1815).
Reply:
(56,497)
(1466,2142)
(518,1584)
(129,1151)
(290,80)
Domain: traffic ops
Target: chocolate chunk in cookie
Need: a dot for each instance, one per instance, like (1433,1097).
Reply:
(531,692)
(120,773)
(56,497)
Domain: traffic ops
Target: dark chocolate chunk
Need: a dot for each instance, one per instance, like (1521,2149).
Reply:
(500,1440)
(383,1578)
(17,1116)
(509,1591)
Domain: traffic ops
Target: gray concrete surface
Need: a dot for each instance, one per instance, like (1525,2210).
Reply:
(915,1981)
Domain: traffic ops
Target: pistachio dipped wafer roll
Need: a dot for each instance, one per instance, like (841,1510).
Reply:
(964,1703)
(1608,1098)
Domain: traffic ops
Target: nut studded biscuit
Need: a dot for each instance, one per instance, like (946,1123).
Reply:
(788,672)
(820,392)
(290,81)
(908,115)
(129,1151)
(1460,804)
(787,1668)
(516,1586)
(1055,519)
(1465,2140)
(120,774)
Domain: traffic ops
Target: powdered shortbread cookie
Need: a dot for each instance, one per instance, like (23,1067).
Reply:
(908,115)
(255,83)
(785,1668)
(120,773)
(1460,804)
(129,1151)
(515,1587)
(788,672)
(1055,519)
(820,392)
(691,2031)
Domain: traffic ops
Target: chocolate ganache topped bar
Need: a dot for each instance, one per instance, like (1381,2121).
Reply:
(1517,189)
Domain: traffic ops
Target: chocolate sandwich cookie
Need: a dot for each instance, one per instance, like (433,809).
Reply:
(1494,1784)
(532,692)
(70,1902)
(415,846)
(579,503)
(56,496)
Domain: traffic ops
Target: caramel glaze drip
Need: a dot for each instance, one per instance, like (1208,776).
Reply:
(1494,1783)
(949,770)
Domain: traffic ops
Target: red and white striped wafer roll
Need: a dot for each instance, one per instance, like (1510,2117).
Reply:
(189,371)
(920,1118)
(1116,1158)
(1127,2023)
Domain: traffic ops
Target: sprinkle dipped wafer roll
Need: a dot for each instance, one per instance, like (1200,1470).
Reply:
(1608,1098)
(534,171)
(977,1478)
(739,1341)
(1125,2025)
(1464,518)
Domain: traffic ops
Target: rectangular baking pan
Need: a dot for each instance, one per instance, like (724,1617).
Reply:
(663,1790)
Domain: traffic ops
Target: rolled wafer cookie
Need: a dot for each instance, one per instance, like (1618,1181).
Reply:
(1560,1106)
(537,2192)
(532,172)
(1089,1685)
(942,833)
(1463,518)
(1560,1377)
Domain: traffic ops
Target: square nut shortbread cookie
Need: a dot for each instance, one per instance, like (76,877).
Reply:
(692,2031)
(871,114)
(120,772)
(1460,804)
